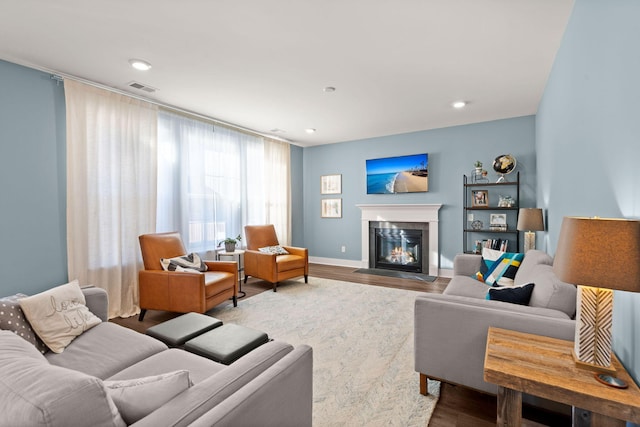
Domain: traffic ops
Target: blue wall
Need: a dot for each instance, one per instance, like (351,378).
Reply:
(452,152)
(588,131)
(33,253)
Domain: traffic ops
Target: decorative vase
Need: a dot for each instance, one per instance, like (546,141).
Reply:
(230,247)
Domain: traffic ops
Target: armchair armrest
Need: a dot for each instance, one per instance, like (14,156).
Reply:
(227,266)
(260,265)
(303,252)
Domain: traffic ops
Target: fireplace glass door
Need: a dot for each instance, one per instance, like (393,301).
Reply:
(398,249)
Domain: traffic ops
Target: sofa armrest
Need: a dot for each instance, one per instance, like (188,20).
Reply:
(466,264)
(190,405)
(450,334)
(282,396)
(97,301)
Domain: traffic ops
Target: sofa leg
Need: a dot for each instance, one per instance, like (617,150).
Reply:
(306,278)
(235,301)
(142,313)
(424,389)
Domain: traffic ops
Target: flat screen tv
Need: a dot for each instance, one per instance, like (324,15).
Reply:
(402,174)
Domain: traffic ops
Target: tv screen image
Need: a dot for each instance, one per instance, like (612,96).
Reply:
(402,174)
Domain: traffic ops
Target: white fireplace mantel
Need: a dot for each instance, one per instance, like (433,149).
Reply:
(403,213)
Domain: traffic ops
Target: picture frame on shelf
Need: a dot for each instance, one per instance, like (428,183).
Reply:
(331,184)
(331,208)
(479,199)
(498,222)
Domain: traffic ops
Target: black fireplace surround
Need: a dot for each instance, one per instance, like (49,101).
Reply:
(398,246)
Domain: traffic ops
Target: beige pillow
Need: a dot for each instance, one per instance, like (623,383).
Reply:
(137,398)
(59,315)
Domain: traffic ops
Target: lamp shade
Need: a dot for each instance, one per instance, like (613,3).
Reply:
(599,252)
(530,219)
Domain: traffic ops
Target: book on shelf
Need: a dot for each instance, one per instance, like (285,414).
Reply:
(496,244)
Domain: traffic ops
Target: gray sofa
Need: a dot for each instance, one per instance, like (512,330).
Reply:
(270,386)
(450,330)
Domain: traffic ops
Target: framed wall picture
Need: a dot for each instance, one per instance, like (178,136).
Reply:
(331,184)
(331,208)
(480,199)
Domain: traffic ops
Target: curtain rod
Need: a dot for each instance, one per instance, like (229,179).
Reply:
(59,77)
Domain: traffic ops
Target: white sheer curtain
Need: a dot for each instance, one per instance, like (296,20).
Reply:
(277,186)
(111,189)
(210,180)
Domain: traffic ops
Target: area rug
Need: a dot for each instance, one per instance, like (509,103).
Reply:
(362,339)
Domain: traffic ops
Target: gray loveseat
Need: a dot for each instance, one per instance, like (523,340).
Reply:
(271,386)
(451,328)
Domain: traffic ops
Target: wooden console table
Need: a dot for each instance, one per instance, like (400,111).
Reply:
(541,366)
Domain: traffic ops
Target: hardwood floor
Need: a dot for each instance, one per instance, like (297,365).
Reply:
(457,406)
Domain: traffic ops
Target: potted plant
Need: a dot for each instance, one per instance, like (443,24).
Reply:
(478,166)
(230,243)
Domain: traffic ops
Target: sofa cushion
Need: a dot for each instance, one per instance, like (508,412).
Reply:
(189,262)
(12,318)
(513,294)
(466,287)
(527,270)
(105,350)
(200,368)
(37,393)
(137,398)
(551,292)
(499,268)
(59,315)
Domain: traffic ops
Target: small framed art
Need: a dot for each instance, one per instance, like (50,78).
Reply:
(331,208)
(331,184)
(480,199)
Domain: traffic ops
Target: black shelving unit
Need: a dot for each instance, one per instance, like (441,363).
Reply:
(483,213)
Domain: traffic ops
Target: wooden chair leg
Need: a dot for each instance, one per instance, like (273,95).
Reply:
(306,278)
(235,301)
(424,386)
(275,285)
(245,279)
(142,313)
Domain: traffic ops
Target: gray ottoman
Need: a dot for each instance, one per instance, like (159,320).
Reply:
(176,332)
(227,343)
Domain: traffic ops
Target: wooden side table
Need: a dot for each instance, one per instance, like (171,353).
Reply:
(542,366)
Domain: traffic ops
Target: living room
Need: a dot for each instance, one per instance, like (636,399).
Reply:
(575,156)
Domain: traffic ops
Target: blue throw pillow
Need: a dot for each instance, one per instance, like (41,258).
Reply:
(518,295)
(499,268)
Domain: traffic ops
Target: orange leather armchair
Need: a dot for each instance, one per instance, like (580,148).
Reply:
(270,267)
(179,291)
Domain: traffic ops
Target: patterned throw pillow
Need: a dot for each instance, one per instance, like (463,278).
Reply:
(12,319)
(516,295)
(499,268)
(278,250)
(186,262)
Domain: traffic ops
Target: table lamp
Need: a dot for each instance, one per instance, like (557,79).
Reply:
(599,255)
(529,221)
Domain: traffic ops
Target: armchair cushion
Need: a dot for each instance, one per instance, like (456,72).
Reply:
(191,262)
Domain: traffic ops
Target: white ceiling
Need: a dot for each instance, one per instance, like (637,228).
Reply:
(397,65)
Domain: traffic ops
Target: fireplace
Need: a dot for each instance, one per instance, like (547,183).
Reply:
(398,249)
(399,246)
(419,216)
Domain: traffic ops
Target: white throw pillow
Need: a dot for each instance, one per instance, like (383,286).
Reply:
(278,250)
(137,398)
(59,315)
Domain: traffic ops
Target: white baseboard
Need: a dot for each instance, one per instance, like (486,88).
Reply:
(358,264)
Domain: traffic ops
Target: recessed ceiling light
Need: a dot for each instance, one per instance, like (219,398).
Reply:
(459,104)
(310,130)
(140,64)
(329,89)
